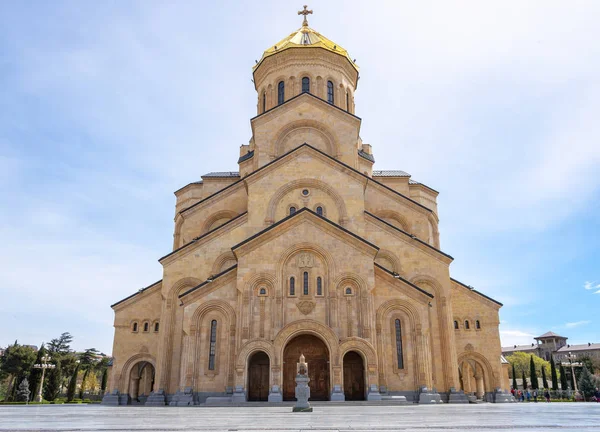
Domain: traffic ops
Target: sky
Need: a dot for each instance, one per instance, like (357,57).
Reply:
(109,107)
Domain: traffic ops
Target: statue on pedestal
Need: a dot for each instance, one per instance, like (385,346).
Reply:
(302,388)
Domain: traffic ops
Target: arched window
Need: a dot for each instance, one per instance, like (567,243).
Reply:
(320,211)
(146,327)
(292,210)
(347,102)
(455,325)
(213,345)
(263,291)
(306,85)
(477,325)
(305,283)
(348,291)
(264,102)
(280,93)
(467,325)
(155,327)
(292,286)
(330,92)
(319,286)
(399,345)
(135,327)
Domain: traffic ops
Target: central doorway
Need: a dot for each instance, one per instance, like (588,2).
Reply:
(258,377)
(354,376)
(317,356)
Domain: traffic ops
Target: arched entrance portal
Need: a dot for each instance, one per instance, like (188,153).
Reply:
(141,382)
(471,375)
(258,377)
(317,356)
(354,376)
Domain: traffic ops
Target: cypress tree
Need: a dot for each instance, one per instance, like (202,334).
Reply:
(586,383)
(544,379)
(553,372)
(515,386)
(104,380)
(563,378)
(82,388)
(53,382)
(72,385)
(524,380)
(35,376)
(533,374)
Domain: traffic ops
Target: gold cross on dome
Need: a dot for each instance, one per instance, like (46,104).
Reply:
(305,12)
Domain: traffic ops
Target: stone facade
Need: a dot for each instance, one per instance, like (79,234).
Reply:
(307,249)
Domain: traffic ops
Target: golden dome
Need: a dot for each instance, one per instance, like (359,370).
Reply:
(305,37)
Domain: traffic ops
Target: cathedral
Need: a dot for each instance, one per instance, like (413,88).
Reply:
(306,249)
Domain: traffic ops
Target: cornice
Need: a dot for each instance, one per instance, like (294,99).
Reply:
(220,194)
(190,247)
(209,285)
(395,278)
(301,216)
(142,293)
(494,303)
(410,239)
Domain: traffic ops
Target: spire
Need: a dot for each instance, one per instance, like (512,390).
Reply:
(305,12)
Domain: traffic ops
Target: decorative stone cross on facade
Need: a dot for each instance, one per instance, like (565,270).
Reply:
(305,12)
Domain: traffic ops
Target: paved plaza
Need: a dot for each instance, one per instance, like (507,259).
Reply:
(484,417)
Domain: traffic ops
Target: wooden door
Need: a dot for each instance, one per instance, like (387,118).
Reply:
(258,377)
(317,358)
(354,376)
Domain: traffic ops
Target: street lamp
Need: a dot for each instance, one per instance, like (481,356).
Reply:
(571,357)
(43,366)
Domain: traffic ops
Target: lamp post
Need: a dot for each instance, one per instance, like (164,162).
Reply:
(43,366)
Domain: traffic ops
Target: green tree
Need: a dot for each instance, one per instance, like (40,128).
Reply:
(35,376)
(589,364)
(533,374)
(563,378)
(586,382)
(514,378)
(522,360)
(23,391)
(52,383)
(88,360)
(61,345)
(17,363)
(104,380)
(524,378)
(72,385)
(554,376)
(544,379)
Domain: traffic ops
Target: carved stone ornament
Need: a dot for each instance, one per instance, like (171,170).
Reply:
(469,348)
(305,260)
(306,306)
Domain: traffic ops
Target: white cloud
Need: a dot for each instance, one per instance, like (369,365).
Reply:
(516,337)
(591,285)
(577,324)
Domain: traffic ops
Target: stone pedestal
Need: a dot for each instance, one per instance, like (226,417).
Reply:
(427,396)
(111,399)
(183,398)
(302,394)
(502,397)
(337,395)
(373,394)
(457,397)
(275,394)
(239,395)
(156,398)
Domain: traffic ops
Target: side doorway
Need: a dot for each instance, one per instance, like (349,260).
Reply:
(258,377)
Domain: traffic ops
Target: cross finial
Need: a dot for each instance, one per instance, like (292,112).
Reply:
(305,12)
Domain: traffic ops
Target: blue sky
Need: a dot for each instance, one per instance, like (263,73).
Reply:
(109,107)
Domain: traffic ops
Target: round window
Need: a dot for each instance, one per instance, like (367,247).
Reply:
(305,192)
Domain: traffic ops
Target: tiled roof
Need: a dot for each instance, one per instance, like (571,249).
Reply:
(366,155)
(222,174)
(246,157)
(513,348)
(582,347)
(390,173)
(550,334)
